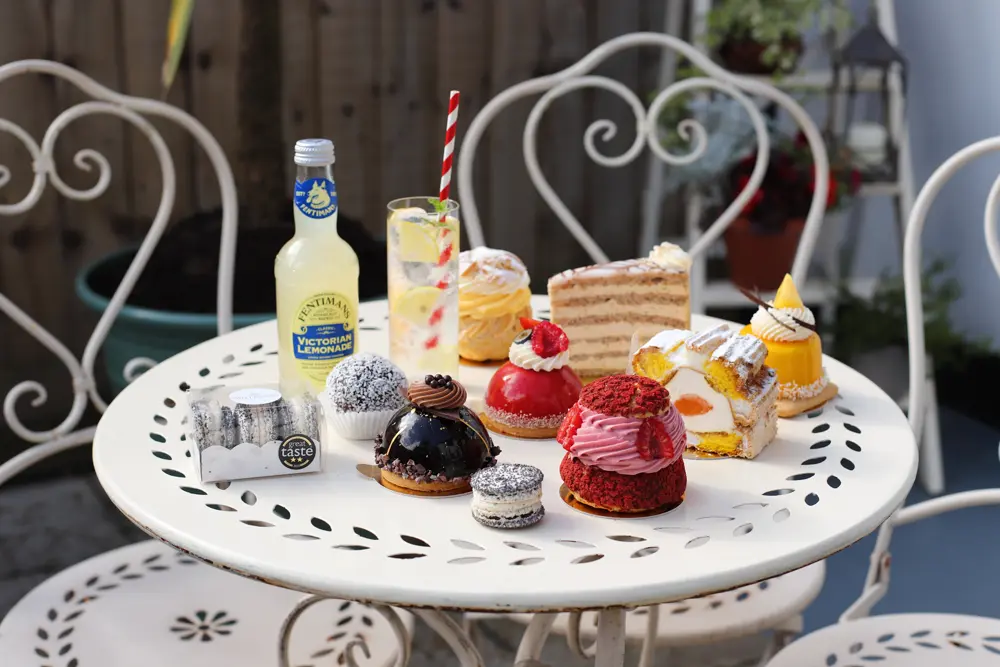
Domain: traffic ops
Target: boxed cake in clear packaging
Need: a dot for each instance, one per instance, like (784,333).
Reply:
(253,431)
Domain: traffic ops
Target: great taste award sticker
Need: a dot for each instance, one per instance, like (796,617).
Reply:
(297,452)
(316,197)
(322,334)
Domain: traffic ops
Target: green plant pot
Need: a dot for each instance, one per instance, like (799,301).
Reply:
(147,332)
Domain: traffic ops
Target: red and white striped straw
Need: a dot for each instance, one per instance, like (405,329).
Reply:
(449,147)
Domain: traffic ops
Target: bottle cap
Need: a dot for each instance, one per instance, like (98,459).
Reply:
(314,152)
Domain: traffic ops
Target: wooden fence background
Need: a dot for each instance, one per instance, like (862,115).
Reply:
(373,75)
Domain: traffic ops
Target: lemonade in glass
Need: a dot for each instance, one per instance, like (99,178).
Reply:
(423,245)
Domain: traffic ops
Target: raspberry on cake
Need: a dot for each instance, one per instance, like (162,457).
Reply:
(602,306)
(530,394)
(623,442)
(719,384)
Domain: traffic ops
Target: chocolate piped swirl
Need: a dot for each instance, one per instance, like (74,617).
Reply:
(437,395)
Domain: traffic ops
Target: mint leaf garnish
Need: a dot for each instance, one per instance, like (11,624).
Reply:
(439,206)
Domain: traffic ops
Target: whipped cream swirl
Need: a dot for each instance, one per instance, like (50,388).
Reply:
(670,256)
(490,271)
(522,356)
(608,442)
(776,324)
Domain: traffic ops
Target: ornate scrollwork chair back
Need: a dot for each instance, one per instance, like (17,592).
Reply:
(647,135)
(135,111)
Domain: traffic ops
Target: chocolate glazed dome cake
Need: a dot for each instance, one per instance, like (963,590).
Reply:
(434,444)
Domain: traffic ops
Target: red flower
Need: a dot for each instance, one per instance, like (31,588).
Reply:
(855,180)
(800,139)
(758,197)
(831,192)
(785,169)
(749,161)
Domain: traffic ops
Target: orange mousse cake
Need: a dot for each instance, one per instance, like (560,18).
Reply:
(794,351)
(600,307)
(720,385)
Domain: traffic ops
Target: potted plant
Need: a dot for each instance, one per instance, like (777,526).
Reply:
(761,242)
(729,134)
(172,306)
(765,36)
(870,335)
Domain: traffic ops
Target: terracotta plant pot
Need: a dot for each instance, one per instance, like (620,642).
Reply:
(742,55)
(759,261)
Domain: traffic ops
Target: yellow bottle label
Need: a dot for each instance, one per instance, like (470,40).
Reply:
(322,335)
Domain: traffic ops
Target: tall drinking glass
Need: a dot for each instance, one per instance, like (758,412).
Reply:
(422,237)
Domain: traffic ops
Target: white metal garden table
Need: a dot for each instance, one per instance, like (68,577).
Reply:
(830,478)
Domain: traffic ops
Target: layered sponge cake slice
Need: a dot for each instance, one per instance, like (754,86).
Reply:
(720,385)
(600,307)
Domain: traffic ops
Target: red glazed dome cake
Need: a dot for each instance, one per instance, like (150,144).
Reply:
(529,396)
(623,442)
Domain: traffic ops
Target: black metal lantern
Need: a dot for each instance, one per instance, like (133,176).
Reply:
(868,55)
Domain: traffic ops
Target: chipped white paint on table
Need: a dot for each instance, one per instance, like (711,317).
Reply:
(829,479)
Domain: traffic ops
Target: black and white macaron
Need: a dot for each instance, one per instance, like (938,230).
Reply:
(508,495)
(364,391)
(213,424)
(305,414)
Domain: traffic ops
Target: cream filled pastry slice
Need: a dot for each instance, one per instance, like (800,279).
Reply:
(602,306)
(719,384)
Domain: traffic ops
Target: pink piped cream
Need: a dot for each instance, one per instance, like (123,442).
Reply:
(609,442)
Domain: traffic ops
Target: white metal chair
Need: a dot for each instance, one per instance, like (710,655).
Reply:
(776,606)
(912,639)
(578,76)
(146,603)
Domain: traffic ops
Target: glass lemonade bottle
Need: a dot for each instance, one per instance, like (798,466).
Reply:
(316,278)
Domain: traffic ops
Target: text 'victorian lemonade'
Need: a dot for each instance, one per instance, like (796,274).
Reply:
(316,278)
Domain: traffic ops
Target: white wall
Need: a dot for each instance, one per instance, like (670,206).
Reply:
(954,99)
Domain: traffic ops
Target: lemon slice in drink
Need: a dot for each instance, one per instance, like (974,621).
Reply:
(417,303)
(417,242)
(440,357)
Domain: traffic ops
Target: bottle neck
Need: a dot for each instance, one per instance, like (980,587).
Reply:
(305,224)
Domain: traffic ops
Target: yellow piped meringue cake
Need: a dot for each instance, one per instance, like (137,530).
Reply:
(794,351)
(493,295)
(600,307)
(719,383)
